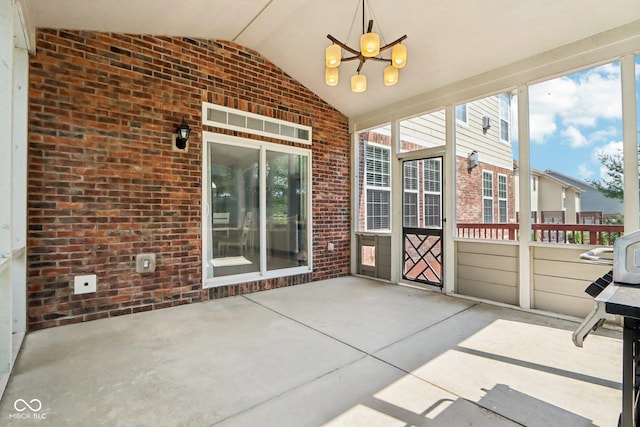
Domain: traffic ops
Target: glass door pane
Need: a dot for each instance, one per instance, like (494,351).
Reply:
(235,192)
(286,215)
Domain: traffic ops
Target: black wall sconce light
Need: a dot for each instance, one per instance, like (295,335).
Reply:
(183,131)
(472,160)
(486,124)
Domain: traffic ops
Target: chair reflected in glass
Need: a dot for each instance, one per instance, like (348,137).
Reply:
(221,222)
(241,241)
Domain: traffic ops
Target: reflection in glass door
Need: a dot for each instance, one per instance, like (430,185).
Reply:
(422,220)
(259,199)
(235,191)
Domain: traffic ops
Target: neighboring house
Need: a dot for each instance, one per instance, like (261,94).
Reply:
(553,200)
(485,193)
(591,199)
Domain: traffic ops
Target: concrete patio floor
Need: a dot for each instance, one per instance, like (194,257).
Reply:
(342,352)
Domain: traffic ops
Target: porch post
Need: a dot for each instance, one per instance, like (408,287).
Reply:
(19,191)
(449,191)
(6,150)
(630,144)
(525,288)
(397,249)
(355,174)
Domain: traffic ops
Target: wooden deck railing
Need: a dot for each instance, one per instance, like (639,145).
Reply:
(584,234)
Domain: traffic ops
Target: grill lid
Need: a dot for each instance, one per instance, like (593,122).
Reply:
(626,259)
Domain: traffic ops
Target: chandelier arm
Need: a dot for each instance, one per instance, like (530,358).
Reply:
(377,58)
(342,45)
(387,46)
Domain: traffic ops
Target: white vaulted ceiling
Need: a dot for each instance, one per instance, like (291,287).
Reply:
(448,41)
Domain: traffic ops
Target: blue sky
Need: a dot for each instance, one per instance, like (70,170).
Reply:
(574,118)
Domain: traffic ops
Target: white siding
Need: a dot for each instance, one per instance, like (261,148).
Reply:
(471,137)
(427,130)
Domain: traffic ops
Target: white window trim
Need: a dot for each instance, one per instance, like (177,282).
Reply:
(374,187)
(425,191)
(464,123)
(505,141)
(263,274)
(506,199)
(412,191)
(488,198)
(281,124)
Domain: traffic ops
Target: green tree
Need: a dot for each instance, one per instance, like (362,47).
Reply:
(613,185)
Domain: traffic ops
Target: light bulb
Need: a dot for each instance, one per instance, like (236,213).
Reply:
(390,76)
(333,56)
(331,76)
(358,83)
(399,56)
(370,44)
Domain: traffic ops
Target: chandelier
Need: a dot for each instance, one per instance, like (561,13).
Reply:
(369,49)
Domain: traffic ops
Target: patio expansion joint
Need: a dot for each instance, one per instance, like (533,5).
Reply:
(302,384)
(488,409)
(365,354)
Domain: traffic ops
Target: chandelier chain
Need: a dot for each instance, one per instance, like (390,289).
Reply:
(353,21)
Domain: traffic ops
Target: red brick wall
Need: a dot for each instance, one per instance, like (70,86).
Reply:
(469,192)
(104,184)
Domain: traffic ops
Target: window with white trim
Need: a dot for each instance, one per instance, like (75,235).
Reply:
(502,199)
(378,186)
(505,116)
(432,192)
(487,197)
(461,114)
(410,195)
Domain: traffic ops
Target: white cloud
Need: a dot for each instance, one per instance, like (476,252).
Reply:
(575,102)
(575,137)
(598,95)
(584,172)
(604,135)
(540,127)
(547,101)
(611,148)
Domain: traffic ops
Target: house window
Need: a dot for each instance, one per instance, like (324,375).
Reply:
(502,198)
(432,192)
(378,173)
(461,114)
(487,197)
(256,221)
(410,195)
(505,117)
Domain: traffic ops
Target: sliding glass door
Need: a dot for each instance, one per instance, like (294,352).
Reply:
(257,204)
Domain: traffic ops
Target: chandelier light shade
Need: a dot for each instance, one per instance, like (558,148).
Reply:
(370,49)
(390,75)
(358,83)
(333,56)
(331,76)
(370,44)
(399,55)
